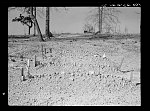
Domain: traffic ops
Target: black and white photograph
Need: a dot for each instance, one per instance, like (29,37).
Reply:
(74,56)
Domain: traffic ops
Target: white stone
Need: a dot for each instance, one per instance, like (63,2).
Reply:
(91,72)
(104,55)
(28,62)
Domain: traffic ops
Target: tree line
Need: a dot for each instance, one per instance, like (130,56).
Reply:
(103,17)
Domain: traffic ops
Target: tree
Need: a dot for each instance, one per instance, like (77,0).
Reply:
(29,11)
(39,11)
(34,23)
(47,22)
(47,25)
(100,13)
(108,28)
(47,28)
(25,21)
(105,16)
(31,14)
(48,33)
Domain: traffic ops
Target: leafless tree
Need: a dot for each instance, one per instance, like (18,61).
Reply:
(100,13)
(34,23)
(44,13)
(41,13)
(47,25)
(108,28)
(104,16)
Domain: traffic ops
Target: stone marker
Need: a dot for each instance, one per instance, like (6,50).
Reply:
(45,51)
(104,56)
(21,57)
(22,74)
(42,51)
(28,63)
(22,71)
(35,60)
(50,50)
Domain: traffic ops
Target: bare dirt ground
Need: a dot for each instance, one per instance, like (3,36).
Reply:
(74,70)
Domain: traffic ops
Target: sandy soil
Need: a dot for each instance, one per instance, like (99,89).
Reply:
(69,70)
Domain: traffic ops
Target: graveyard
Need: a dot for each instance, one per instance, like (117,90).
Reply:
(74,56)
(74,70)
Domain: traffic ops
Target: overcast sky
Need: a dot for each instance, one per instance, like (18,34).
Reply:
(73,20)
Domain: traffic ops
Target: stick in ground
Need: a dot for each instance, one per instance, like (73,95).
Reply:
(42,51)
(45,50)
(22,74)
(35,61)
(50,50)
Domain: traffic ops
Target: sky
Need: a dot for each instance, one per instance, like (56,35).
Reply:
(73,20)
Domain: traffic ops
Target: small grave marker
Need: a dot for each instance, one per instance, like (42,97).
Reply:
(22,71)
(35,60)
(21,57)
(28,63)
(22,74)
(42,51)
(45,51)
(50,50)
(104,56)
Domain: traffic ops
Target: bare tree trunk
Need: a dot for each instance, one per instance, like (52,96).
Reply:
(37,26)
(99,27)
(100,13)
(29,31)
(34,22)
(31,9)
(47,22)
(101,18)
(47,25)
